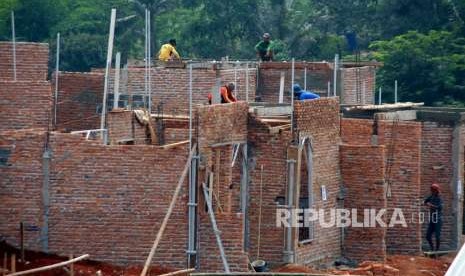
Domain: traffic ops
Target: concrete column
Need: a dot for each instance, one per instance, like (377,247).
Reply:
(45,198)
(457,183)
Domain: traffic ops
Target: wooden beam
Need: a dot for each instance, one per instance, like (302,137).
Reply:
(49,267)
(170,116)
(184,271)
(227,143)
(169,146)
(217,176)
(278,129)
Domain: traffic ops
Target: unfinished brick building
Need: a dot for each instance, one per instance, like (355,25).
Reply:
(76,194)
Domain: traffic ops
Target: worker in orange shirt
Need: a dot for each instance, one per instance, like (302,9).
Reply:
(226,94)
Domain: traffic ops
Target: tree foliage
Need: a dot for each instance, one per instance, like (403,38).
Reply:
(428,67)
(303,29)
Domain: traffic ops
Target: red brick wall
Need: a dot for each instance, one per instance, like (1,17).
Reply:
(221,123)
(356,131)
(31,61)
(105,200)
(232,236)
(405,139)
(20,186)
(24,104)
(116,211)
(408,150)
(364,191)
(437,166)
(318,75)
(173,135)
(353,80)
(320,120)
(170,86)
(79,94)
(267,150)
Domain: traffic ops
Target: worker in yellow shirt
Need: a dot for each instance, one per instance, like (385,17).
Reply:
(168,51)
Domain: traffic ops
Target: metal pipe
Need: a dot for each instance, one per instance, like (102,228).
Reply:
(215,229)
(336,64)
(146,60)
(244,196)
(288,252)
(292,95)
(44,230)
(192,183)
(235,79)
(305,78)
(107,69)
(247,83)
(116,84)
(149,57)
(363,92)
(329,88)
(13,36)
(190,106)
(395,91)
(380,96)
(192,205)
(57,72)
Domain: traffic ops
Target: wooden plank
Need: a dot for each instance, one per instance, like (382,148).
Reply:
(184,271)
(275,120)
(5,264)
(227,143)
(169,116)
(71,266)
(49,267)
(273,111)
(13,263)
(217,176)
(169,146)
(278,129)
(210,186)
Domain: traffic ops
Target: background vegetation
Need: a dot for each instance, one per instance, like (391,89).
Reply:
(420,42)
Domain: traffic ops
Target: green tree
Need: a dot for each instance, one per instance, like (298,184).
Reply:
(6,6)
(429,67)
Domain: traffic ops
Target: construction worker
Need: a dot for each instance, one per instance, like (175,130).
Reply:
(264,48)
(168,51)
(226,94)
(434,202)
(302,95)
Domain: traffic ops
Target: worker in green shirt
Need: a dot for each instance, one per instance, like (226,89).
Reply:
(264,48)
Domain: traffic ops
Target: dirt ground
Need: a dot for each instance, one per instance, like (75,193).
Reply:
(82,268)
(395,265)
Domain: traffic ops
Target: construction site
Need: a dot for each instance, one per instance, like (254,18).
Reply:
(131,167)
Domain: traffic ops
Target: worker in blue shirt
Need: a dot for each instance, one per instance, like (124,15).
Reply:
(302,95)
